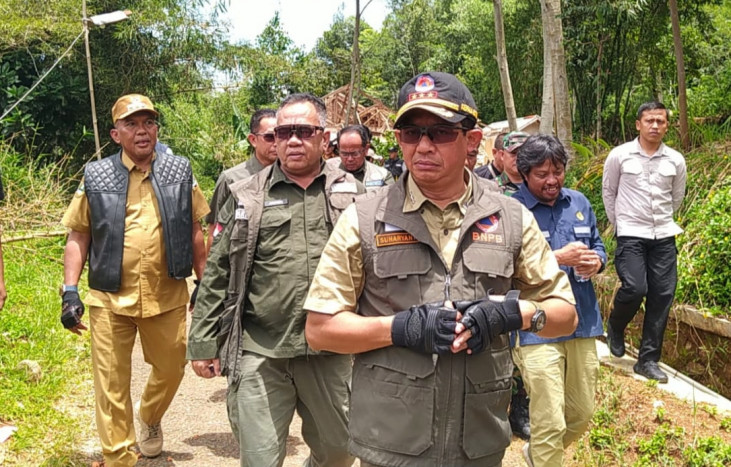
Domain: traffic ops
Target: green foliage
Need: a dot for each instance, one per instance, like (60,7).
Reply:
(657,450)
(708,452)
(45,411)
(164,47)
(704,262)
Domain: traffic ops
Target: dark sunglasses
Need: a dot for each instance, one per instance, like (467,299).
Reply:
(285,132)
(268,137)
(438,134)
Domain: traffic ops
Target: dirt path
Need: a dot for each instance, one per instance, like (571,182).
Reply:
(197,432)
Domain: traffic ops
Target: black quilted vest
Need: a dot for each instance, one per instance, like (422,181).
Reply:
(106,183)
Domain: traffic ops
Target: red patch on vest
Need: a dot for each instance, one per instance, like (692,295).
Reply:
(395,238)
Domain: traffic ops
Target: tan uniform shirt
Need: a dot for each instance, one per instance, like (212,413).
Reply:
(145,289)
(339,279)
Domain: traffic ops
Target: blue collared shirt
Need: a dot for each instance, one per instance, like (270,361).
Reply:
(570,219)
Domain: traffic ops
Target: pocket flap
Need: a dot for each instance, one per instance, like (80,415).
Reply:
(490,261)
(401,261)
(405,361)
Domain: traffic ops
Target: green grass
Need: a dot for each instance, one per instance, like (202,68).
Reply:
(46,412)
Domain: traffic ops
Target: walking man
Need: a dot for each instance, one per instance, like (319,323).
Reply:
(642,187)
(249,321)
(264,154)
(137,217)
(429,389)
(560,374)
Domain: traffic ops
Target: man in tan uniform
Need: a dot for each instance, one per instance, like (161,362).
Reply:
(431,383)
(137,217)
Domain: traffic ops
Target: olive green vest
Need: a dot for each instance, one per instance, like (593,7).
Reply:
(413,409)
(340,191)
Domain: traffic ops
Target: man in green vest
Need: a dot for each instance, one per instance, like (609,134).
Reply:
(249,322)
(406,283)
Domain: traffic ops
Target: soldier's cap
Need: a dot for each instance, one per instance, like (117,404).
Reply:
(393,149)
(439,93)
(130,104)
(513,140)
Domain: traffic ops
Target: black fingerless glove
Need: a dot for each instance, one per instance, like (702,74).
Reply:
(427,328)
(487,319)
(194,295)
(72,309)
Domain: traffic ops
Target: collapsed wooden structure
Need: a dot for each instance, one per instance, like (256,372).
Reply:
(377,117)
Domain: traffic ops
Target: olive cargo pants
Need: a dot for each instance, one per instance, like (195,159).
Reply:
(262,402)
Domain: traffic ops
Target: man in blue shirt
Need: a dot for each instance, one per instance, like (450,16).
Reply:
(560,374)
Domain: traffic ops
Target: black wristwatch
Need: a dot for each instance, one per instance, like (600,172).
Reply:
(538,320)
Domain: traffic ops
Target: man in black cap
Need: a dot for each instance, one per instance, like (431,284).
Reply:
(403,284)
(393,164)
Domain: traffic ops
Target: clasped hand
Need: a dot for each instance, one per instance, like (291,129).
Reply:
(445,327)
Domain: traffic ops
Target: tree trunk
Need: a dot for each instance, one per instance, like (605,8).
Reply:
(680,64)
(502,63)
(351,109)
(558,66)
(598,134)
(547,105)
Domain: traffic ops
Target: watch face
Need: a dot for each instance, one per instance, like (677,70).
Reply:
(538,320)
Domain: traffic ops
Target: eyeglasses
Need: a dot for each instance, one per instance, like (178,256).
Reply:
(346,155)
(268,137)
(285,132)
(438,134)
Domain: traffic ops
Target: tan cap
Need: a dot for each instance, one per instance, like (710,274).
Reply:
(131,103)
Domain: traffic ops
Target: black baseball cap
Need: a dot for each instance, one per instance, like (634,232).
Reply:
(439,93)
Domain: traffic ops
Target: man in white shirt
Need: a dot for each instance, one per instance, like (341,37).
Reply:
(643,185)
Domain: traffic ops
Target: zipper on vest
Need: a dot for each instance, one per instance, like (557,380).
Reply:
(447,286)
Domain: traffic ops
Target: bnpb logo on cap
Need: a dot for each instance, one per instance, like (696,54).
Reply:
(424,83)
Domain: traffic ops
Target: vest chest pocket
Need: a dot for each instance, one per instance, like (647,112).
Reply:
(402,269)
(487,268)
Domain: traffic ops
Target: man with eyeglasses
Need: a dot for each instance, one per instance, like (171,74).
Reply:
(249,321)
(136,216)
(403,284)
(353,144)
(261,139)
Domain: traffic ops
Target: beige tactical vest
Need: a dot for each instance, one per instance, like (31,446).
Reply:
(413,409)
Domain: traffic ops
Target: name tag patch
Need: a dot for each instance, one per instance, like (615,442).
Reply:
(582,230)
(240,214)
(395,238)
(344,187)
(276,202)
(374,183)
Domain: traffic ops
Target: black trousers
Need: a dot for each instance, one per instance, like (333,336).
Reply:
(647,268)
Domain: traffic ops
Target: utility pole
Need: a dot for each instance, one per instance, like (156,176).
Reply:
(97,20)
(85,22)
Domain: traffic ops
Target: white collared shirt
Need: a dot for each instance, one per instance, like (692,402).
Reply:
(641,192)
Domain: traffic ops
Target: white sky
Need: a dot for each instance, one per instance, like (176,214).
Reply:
(304,20)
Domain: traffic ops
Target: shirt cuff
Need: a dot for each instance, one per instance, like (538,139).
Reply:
(205,349)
